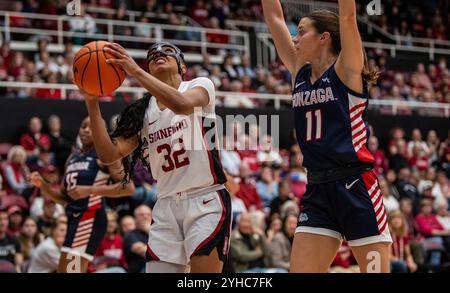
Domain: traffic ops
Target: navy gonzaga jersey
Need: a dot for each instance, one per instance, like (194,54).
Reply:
(83,169)
(330,121)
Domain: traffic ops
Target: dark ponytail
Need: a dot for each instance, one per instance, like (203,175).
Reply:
(129,124)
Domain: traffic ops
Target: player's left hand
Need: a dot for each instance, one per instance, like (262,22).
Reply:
(123,59)
(80,191)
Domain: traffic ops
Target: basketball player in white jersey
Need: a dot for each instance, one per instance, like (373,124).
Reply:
(192,216)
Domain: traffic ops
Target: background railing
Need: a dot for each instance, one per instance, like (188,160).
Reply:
(387,106)
(58,30)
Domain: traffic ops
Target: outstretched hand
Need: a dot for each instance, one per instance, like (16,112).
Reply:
(122,58)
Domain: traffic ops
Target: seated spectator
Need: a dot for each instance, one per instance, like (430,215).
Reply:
(228,67)
(111,249)
(416,140)
(143,29)
(10,249)
(199,12)
(237,204)
(16,173)
(34,139)
(441,190)
(274,226)
(60,145)
(127,224)
(429,226)
(344,262)
(29,238)
(45,258)
(389,201)
(216,36)
(83,23)
(48,217)
(380,164)
(401,257)
(442,214)
(284,195)
(231,161)
(406,207)
(248,249)
(15,215)
(145,192)
(419,160)
(135,241)
(267,187)
(281,245)
(244,68)
(267,155)
(247,190)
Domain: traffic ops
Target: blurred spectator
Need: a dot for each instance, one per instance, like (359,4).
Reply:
(145,192)
(401,258)
(48,217)
(10,249)
(267,187)
(231,161)
(199,13)
(144,28)
(45,258)
(443,214)
(247,190)
(281,245)
(248,249)
(29,238)
(267,155)
(274,226)
(344,262)
(284,195)
(16,172)
(244,68)
(135,241)
(416,141)
(380,164)
(84,23)
(60,145)
(34,139)
(15,220)
(390,202)
(127,224)
(441,189)
(216,36)
(110,251)
(429,226)
(229,68)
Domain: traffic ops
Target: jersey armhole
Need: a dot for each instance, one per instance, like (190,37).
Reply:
(300,71)
(363,95)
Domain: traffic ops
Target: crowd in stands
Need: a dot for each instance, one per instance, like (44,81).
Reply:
(428,83)
(266,186)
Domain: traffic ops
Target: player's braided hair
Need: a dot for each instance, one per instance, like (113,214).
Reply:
(129,124)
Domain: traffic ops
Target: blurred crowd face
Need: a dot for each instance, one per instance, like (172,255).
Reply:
(284,190)
(15,220)
(35,125)
(112,223)
(143,216)
(266,175)
(290,225)
(406,206)
(396,222)
(442,209)
(384,187)
(426,208)
(245,224)
(373,144)
(18,157)
(59,234)
(416,135)
(127,224)
(49,209)
(29,228)
(4,222)
(276,224)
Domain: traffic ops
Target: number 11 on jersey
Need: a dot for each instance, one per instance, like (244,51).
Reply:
(309,124)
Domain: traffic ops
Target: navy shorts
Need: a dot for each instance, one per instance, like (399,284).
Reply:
(85,231)
(351,208)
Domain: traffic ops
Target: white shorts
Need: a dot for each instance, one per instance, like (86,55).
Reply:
(190,225)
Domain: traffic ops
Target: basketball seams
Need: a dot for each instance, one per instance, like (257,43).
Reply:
(98,68)
(112,65)
(85,66)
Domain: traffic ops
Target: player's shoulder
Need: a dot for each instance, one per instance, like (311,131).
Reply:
(202,81)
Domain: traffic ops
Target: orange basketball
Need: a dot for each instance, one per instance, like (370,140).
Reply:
(92,73)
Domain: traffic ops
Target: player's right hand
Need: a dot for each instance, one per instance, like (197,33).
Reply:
(36,179)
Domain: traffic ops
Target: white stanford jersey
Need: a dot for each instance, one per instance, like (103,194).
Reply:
(180,149)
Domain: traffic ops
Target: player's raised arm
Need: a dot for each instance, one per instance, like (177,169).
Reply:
(179,103)
(350,62)
(273,15)
(108,150)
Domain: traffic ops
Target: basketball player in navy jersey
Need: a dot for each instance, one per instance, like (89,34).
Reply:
(84,186)
(330,80)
